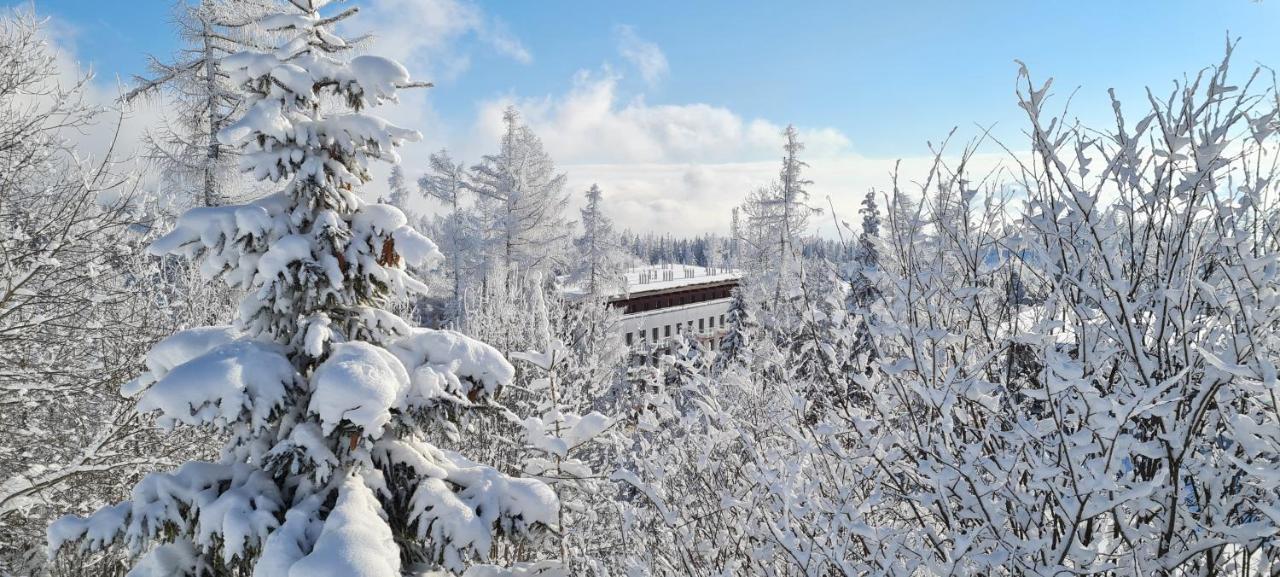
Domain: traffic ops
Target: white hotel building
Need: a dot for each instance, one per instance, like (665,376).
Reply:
(663,301)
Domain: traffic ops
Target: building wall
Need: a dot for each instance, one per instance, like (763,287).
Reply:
(704,319)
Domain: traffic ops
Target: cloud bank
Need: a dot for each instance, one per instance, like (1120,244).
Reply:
(670,168)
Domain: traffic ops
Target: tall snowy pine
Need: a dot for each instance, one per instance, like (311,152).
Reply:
(325,397)
(446,182)
(599,264)
(522,200)
(397,189)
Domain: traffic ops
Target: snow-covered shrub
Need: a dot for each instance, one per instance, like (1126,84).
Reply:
(77,307)
(1073,375)
(1067,371)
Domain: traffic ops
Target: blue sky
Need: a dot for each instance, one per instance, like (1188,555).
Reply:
(870,79)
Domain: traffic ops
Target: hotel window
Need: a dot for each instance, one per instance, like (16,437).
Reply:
(655,334)
(700,327)
(628,339)
(711,322)
(722,320)
(666,331)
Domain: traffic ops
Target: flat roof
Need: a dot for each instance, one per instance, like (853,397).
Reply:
(654,278)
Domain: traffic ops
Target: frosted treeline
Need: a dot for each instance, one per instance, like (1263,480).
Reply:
(1065,365)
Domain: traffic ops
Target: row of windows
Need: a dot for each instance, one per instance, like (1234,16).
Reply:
(704,324)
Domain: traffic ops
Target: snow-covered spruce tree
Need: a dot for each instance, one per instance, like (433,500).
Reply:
(866,255)
(736,343)
(815,337)
(324,395)
(862,296)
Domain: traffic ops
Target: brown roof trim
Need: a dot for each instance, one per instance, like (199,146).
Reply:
(675,289)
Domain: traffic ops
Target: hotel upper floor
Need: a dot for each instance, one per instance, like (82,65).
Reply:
(664,301)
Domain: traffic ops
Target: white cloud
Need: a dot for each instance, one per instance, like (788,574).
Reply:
(677,168)
(425,35)
(646,56)
(681,168)
(500,38)
(592,124)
